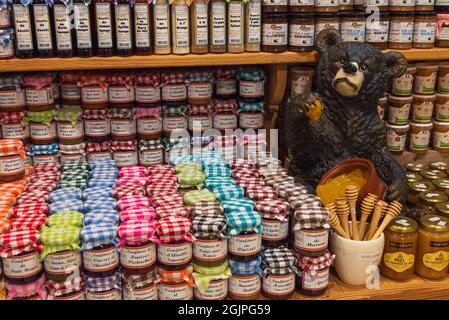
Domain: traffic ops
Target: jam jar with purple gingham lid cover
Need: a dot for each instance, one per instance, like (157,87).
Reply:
(123,123)
(149,123)
(39,92)
(174,87)
(148,88)
(94,91)
(103,288)
(12,94)
(121,90)
(225,115)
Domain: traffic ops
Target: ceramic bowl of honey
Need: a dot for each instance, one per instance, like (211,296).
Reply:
(357,171)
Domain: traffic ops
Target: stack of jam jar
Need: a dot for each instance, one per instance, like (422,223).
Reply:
(417,110)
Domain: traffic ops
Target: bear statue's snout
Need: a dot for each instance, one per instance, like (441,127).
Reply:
(349,68)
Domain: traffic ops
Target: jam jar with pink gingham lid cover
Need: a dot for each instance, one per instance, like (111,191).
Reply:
(94,91)
(174,87)
(123,123)
(70,91)
(39,92)
(125,153)
(12,94)
(30,291)
(13,127)
(149,123)
(148,88)
(225,83)
(225,115)
(121,90)
(200,117)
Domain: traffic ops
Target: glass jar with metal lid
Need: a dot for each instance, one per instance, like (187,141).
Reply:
(432,174)
(401,241)
(442,209)
(441,184)
(416,167)
(416,188)
(413,176)
(432,258)
(428,199)
(439,165)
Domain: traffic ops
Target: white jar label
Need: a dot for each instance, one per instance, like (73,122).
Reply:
(142,22)
(138,257)
(12,99)
(428,2)
(399,115)
(174,92)
(181,34)
(70,92)
(420,140)
(301,35)
(25,266)
(442,33)
(71,157)
(121,127)
(401,32)
(252,89)
(441,112)
(274,34)
(149,126)
(226,87)
(67,131)
(422,112)
(201,23)
(279,285)
(22,23)
(113,294)
(150,157)
(321,26)
(218,21)
(200,91)
(94,95)
(274,230)
(175,291)
(123,26)
(301,2)
(319,281)
(353,31)
(244,285)
(121,94)
(62,27)
(83,26)
(147,94)
(79,295)
(245,245)
(301,85)
(4,19)
(441,139)
(97,128)
(200,123)
(64,262)
(100,260)
(402,3)
(104,155)
(39,97)
(42,131)
(43,159)
(125,158)
(235,23)
(403,85)
(161,32)
(424,32)
(42,27)
(15,131)
(146,293)
(311,240)
(443,84)
(11,165)
(254,18)
(225,121)
(425,84)
(251,120)
(395,142)
(174,254)
(326,3)
(171,124)
(210,250)
(217,290)
(377,31)
(104,25)
(275,2)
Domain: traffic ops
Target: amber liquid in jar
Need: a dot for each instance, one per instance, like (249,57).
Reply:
(23,25)
(143,28)
(83,28)
(123,28)
(104,27)
(43,29)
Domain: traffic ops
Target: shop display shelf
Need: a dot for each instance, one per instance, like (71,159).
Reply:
(430,156)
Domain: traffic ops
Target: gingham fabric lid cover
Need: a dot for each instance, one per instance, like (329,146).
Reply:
(277,261)
(59,238)
(136,232)
(243,222)
(209,225)
(171,229)
(240,204)
(70,218)
(100,217)
(137,214)
(194,196)
(15,242)
(245,267)
(95,235)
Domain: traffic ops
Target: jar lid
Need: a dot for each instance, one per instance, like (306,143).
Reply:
(425,97)
(435,223)
(433,196)
(402,225)
(351,14)
(422,125)
(443,208)
(439,165)
(414,166)
(426,13)
(413,177)
(441,183)
(398,126)
(432,174)
(402,14)
(301,15)
(393,97)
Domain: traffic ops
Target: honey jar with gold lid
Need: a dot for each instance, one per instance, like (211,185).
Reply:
(428,199)
(431,174)
(442,209)
(439,165)
(401,241)
(416,188)
(415,166)
(432,257)
(441,185)
(413,176)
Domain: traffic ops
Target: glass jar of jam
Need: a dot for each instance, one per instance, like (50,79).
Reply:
(420,137)
(143,33)
(425,78)
(101,261)
(245,247)
(59,266)
(23,268)
(376,32)
(125,153)
(244,286)
(104,26)
(299,6)
(43,133)
(147,88)
(161,20)
(352,26)
(401,242)
(401,30)
(403,85)
(23,26)
(311,242)
(217,25)
(12,94)
(149,123)
(70,91)
(301,80)
(432,258)
(138,259)
(123,28)
(64,33)
(274,33)
(94,91)
(174,255)
(424,30)
(43,29)
(422,108)
(274,6)
(123,124)
(200,87)
(313,274)
(39,92)
(301,32)
(278,283)
(180,27)
(253,25)
(83,28)
(121,92)
(217,290)
(326,21)
(173,285)
(140,287)
(428,200)
(5,18)
(69,132)
(199,15)
(236,26)
(225,84)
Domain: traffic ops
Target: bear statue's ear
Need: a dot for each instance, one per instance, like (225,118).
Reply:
(327,38)
(396,64)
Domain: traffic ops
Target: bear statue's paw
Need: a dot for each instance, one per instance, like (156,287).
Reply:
(311,106)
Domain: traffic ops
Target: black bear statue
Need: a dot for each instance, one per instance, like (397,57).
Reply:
(339,120)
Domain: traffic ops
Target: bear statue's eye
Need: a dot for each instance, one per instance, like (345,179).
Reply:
(363,67)
(343,60)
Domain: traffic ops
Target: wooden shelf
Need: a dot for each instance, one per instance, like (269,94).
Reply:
(160,61)
(430,156)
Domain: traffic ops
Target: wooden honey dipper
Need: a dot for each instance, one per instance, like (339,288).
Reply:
(380,205)
(343,214)
(366,209)
(334,221)
(392,211)
(352,194)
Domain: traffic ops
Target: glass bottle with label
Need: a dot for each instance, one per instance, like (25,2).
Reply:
(253,25)
(236,26)
(104,27)
(23,25)
(64,34)
(217,22)
(161,20)
(180,27)
(199,16)
(43,29)
(83,28)
(123,28)
(143,15)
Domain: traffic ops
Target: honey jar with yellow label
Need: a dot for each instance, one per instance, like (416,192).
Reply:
(413,176)
(401,241)
(428,200)
(432,258)
(416,188)
(431,174)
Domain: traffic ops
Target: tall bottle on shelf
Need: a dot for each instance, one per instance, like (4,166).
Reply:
(23,27)
(123,27)
(64,34)
(253,25)
(236,26)
(83,28)
(199,17)
(161,19)
(143,15)
(180,27)
(217,21)
(43,28)
(104,26)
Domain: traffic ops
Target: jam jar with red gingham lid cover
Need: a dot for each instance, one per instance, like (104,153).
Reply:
(121,90)
(72,289)
(98,151)
(39,92)
(275,219)
(13,127)
(200,117)
(313,274)
(124,153)
(97,127)
(174,87)
(70,91)
(149,123)
(225,84)
(225,115)
(12,94)
(123,123)
(148,88)
(94,91)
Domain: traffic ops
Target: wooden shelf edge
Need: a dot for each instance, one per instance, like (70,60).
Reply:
(191,60)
